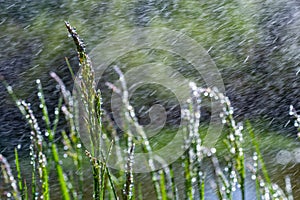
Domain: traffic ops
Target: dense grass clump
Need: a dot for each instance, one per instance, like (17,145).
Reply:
(114,184)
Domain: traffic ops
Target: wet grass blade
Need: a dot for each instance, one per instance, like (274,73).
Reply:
(60,174)
(70,68)
(260,158)
(52,145)
(174,189)
(201,185)
(97,174)
(163,186)
(19,175)
(129,186)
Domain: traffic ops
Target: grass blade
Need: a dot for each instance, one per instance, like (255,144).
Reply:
(19,175)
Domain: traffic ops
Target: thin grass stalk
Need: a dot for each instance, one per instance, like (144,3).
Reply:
(255,175)
(222,183)
(104,182)
(187,176)
(288,188)
(69,110)
(10,178)
(34,193)
(56,118)
(100,175)
(131,119)
(71,151)
(259,155)
(195,107)
(129,185)
(118,150)
(173,185)
(25,191)
(127,191)
(105,174)
(37,140)
(112,186)
(96,167)
(234,143)
(19,175)
(236,165)
(163,185)
(51,134)
(61,177)
(268,189)
(194,154)
(201,185)
(44,108)
(77,142)
(185,157)
(70,68)
(35,131)
(140,191)
(166,182)
(38,159)
(133,193)
(108,175)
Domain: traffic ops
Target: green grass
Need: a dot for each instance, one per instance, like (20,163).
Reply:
(114,184)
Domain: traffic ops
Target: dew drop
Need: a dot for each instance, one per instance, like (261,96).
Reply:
(213,150)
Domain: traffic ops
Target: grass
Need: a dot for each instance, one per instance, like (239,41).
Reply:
(117,184)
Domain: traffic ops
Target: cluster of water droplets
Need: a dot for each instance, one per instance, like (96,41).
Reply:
(38,158)
(234,138)
(10,178)
(293,112)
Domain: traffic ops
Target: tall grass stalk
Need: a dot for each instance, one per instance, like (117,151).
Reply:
(72,142)
(131,122)
(259,155)
(50,133)
(39,160)
(267,189)
(236,171)
(86,87)
(194,155)
(91,100)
